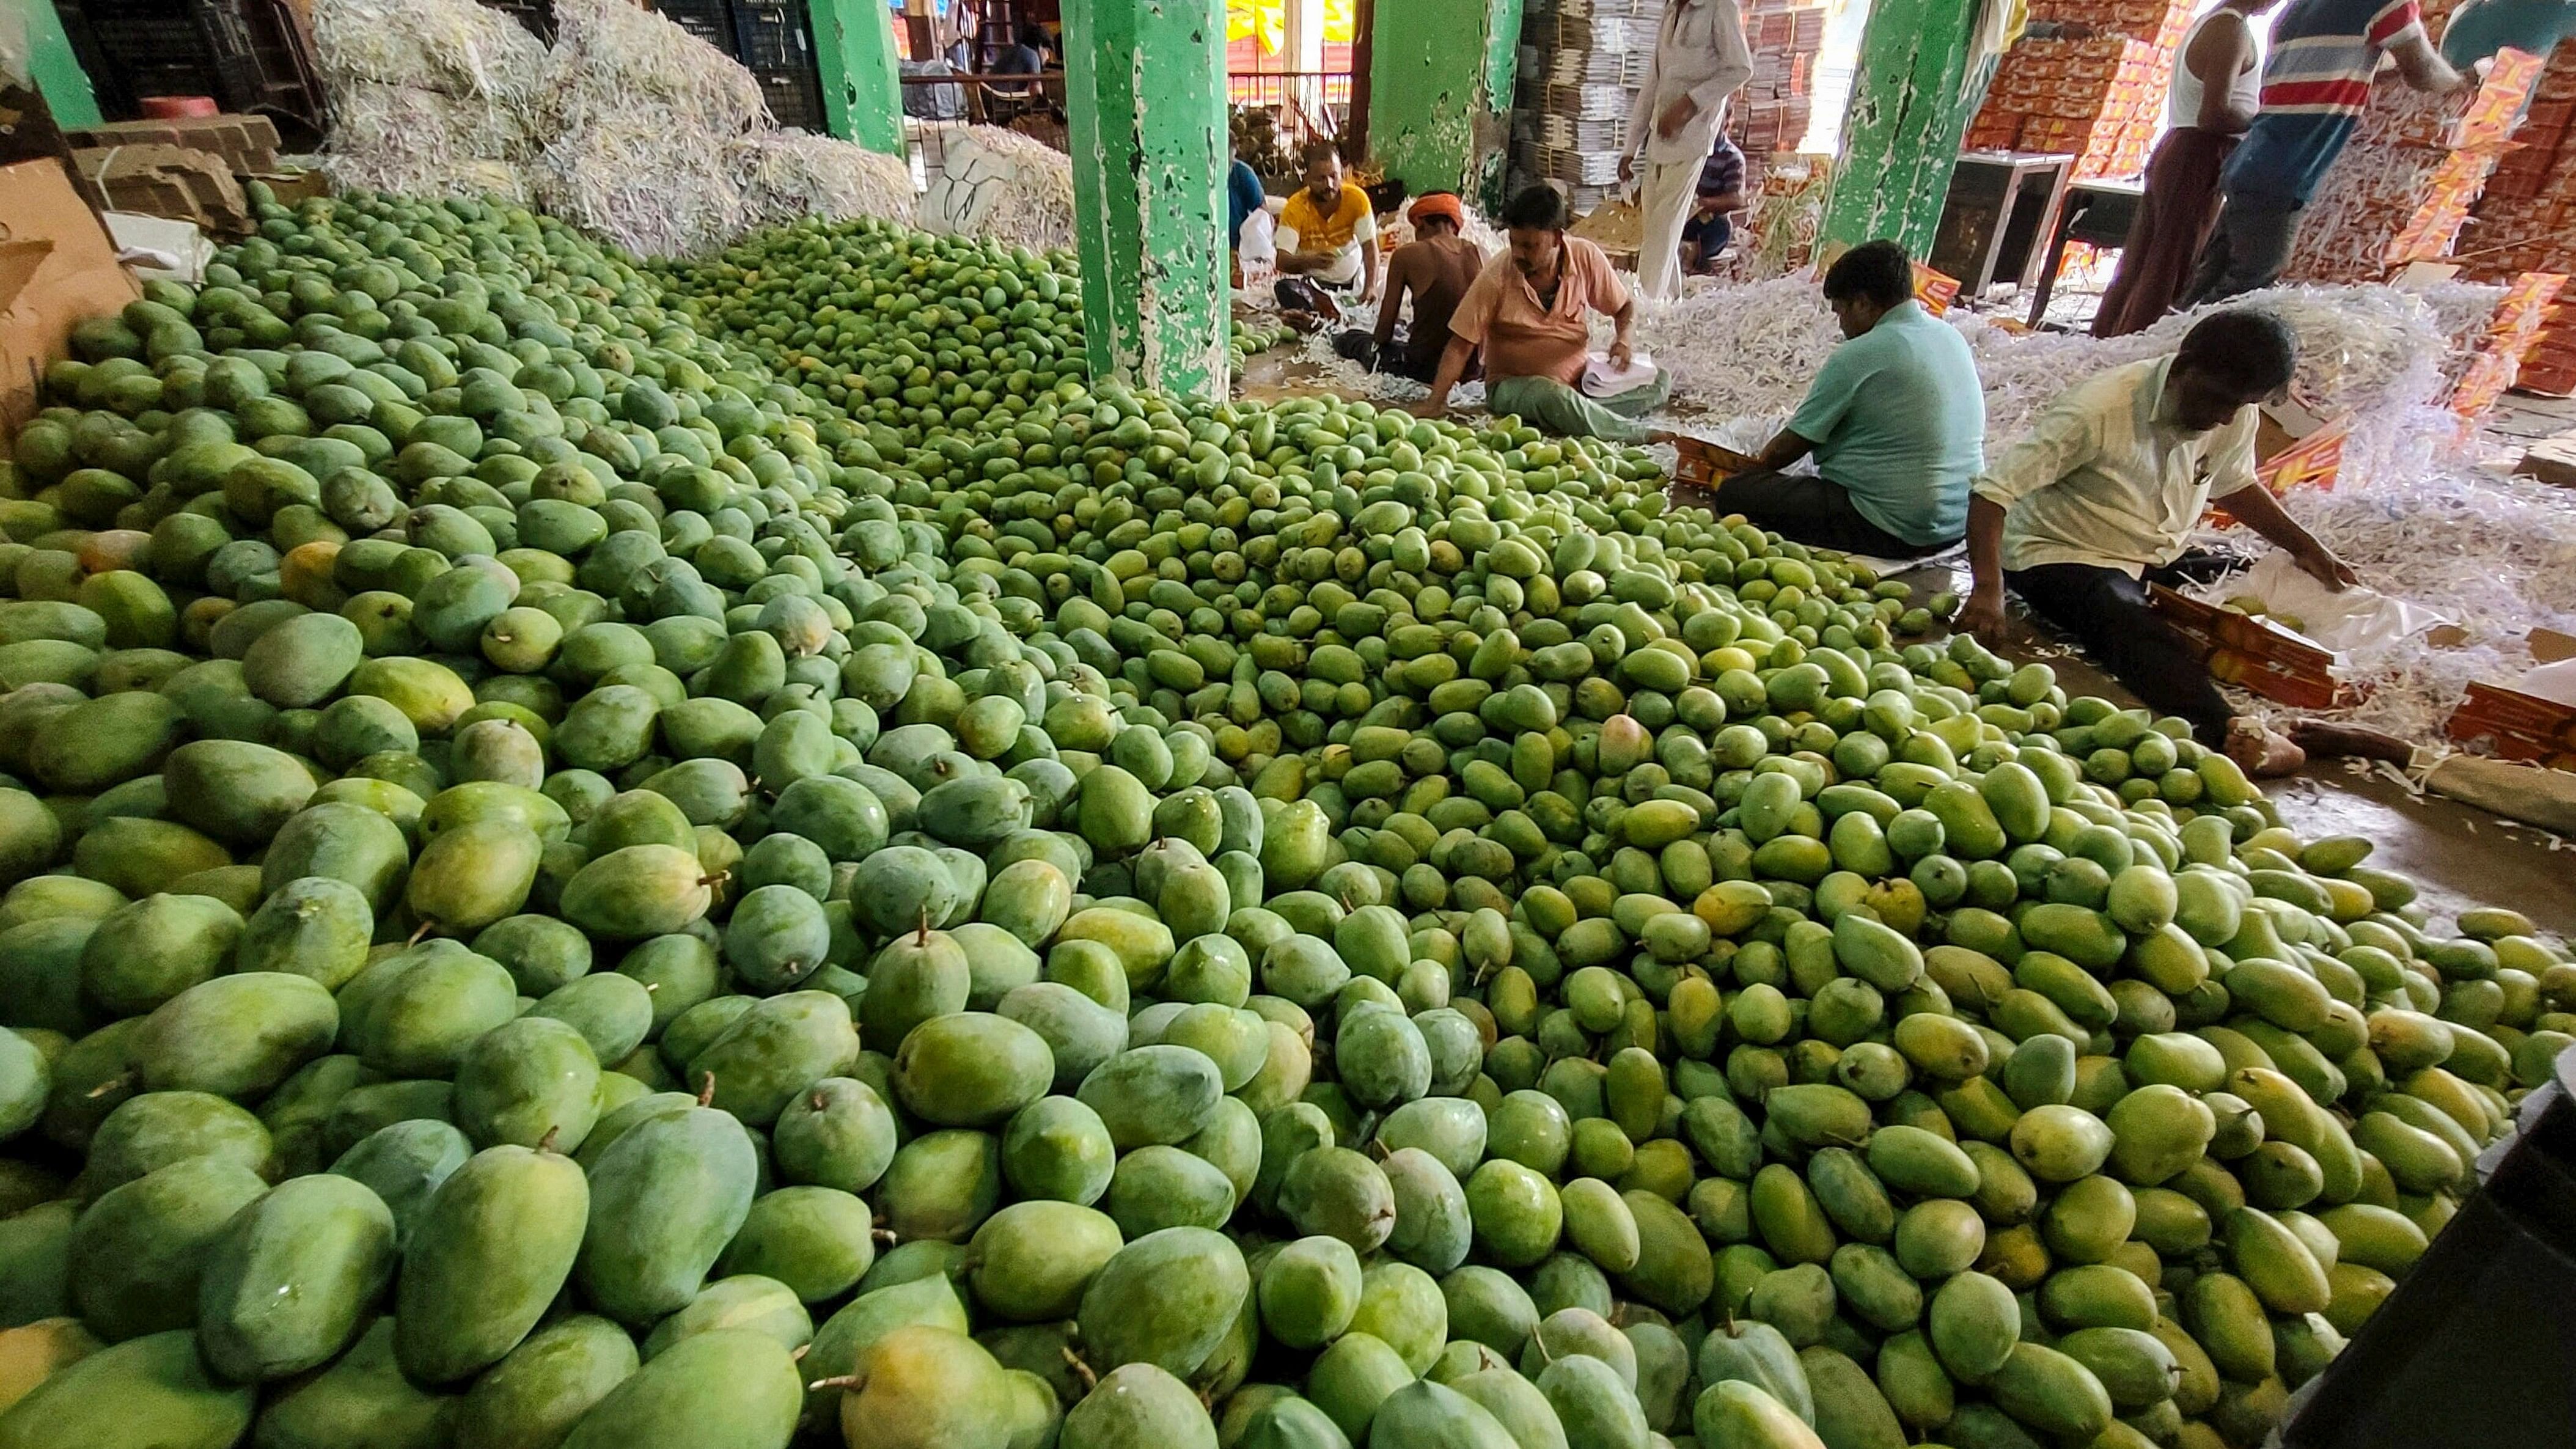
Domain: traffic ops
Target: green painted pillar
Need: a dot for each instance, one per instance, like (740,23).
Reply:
(1440,92)
(59,77)
(862,90)
(1912,95)
(1145,83)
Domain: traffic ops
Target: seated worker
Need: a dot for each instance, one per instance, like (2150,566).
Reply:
(1711,223)
(1436,269)
(1895,420)
(1327,240)
(2095,503)
(1530,311)
(1243,197)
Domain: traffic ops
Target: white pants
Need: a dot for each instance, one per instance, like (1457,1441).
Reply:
(1665,192)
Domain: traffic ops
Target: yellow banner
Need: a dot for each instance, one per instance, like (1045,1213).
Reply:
(1266,21)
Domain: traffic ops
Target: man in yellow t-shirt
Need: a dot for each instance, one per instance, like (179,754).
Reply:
(1327,239)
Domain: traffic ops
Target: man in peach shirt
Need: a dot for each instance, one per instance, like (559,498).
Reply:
(1530,310)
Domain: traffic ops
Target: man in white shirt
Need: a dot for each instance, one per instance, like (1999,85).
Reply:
(1699,60)
(2099,499)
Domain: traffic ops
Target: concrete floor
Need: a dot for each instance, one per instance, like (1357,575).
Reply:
(2457,856)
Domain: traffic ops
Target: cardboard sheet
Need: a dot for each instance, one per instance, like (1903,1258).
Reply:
(57,267)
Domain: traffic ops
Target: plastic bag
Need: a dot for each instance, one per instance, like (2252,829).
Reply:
(1259,243)
(2340,620)
(2551,681)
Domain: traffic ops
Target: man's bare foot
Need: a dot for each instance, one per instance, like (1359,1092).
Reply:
(2262,753)
(2318,737)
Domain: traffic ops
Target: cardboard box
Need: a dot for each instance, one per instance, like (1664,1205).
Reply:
(2516,726)
(178,182)
(57,267)
(246,143)
(2241,649)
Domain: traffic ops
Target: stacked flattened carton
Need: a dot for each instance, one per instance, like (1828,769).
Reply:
(2404,185)
(2526,220)
(186,169)
(2091,84)
(1582,62)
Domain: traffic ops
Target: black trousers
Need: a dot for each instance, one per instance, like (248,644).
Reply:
(1396,358)
(2106,611)
(1814,511)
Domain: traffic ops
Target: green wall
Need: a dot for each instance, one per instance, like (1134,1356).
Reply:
(1910,104)
(862,89)
(1440,92)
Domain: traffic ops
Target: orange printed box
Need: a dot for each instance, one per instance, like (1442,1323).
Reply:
(2243,650)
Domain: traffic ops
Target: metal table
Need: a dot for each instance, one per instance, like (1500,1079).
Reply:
(2096,212)
(1998,211)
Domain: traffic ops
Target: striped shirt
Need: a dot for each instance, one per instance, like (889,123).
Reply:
(2315,83)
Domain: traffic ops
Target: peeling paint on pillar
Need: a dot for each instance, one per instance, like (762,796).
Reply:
(1146,84)
(1909,111)
(1440,91)
(854,53)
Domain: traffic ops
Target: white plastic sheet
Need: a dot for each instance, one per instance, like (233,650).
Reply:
(2343,620)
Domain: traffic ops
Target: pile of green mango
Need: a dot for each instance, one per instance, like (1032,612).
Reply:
(922,333)
(566,882)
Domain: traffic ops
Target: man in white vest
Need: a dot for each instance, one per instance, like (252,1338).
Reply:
(1700,60)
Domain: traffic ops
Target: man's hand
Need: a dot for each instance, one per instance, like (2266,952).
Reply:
(2321,565)
(1627,169)
(1622,355)
(1428,409)
(1983,615)
(1675,116)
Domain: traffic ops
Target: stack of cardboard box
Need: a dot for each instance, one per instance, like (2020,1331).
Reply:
(187,169)
(2090,83)
(2526,221)
(1771,112)
(2405,183)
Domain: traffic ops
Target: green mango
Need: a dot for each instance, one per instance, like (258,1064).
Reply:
(285,1287)
(532,1398)
(838,1133)
(815,1240)
(663,1202)
(748,1303)
(1593,1403)
(529,1082)
(1167,1299)
(780,1047)
(363,1398)
(727,1389)
(403,1164)
(139,1251)
(485,1259)
(235,1036)
(153,1389)
(923,1385)
(148,952)
(313,926)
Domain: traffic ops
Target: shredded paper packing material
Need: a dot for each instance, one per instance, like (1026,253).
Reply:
(999,185)
(611,56)
(428,97)
(652,189)
(455,47)
(791,174)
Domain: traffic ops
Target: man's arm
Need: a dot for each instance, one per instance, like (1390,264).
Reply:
(1367,244)
(2065,437)
(1398,280)
(2422,66)
(1623,325)
(2256,508)
(1786,447)
(1453,366)
(2216,55)
(1983,614)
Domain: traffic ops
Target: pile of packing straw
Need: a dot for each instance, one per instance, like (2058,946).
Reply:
(629,126)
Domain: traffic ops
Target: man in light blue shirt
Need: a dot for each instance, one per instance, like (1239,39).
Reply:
(1895,421)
